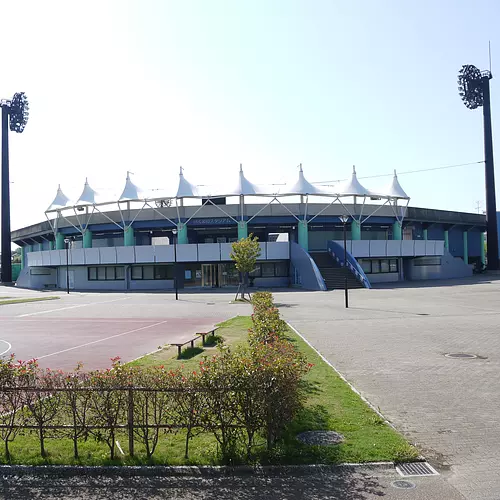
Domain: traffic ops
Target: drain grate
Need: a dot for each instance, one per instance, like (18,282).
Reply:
(416,469)
(460,355)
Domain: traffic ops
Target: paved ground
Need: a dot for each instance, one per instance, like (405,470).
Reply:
(351,483)
(390,344)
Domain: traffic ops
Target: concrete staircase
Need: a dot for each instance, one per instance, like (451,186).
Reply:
(333,274)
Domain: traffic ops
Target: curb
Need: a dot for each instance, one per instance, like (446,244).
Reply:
(189,471)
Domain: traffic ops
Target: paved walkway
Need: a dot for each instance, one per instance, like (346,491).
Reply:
(391,343)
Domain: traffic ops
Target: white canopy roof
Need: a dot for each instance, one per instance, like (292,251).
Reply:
(352,187)
(131,191)
(185,188)
(301,187)
(88,196)
(60,201)
(394,190)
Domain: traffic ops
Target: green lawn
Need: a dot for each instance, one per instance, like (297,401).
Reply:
(8,300)
(330,405)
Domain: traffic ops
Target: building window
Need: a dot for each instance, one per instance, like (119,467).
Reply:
(106,273)
(384,266)
(379,266)
(270,270)
(366,265)
(427,261)
(393,266)
(152,272)
(267,269)
(281,269)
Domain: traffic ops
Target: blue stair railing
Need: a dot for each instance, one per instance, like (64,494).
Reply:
(337,252)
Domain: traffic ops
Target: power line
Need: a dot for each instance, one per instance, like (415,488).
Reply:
(408,172)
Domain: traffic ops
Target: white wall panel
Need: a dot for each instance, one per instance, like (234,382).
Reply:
(46,257)
(277,250)
(55,258)
(225,251)
(407,248)
(378,248)
(187,253)
(107,255)
(208,252)
(360,248)
(125,255)
(419,247)
(164,253)
(263,253)
(430,247)
(393,248)
(439,247)
(92,256)
(145,253)
(77,256)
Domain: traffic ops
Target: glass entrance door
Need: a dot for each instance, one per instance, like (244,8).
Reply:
(219,275)
(209,275)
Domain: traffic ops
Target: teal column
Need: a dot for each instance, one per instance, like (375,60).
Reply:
(87,239)
(397,232)
(466,247)
(128,237)
(303,235)
(59,241)
(425,234)
(242,229)
(52,245)
(182,235)
(23,257)
(30,248)
(483,259)
(446,241)
(355,230)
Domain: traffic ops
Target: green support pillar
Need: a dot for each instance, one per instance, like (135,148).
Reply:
(52,245)
(425,234)
(303,235)
(128,237)
(242,229)
(466,247)
(397,231)
(182,235)
(355,230)
(23,257)
(446,241)
(483,259)
(59,241)
(87,239)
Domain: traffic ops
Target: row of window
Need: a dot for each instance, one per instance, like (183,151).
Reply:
(377,266)
(270,270)
(106,273)
(152,272)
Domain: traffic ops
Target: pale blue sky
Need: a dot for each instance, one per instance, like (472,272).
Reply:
(150,85)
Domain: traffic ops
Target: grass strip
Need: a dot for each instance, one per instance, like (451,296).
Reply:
(4,302)
(330,404)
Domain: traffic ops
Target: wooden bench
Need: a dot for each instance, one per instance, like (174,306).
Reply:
(208,333)
(179,345)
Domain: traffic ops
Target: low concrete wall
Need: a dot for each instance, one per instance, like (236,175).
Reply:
(310,275)
(451,267)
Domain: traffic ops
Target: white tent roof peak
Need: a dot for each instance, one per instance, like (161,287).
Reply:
(88,196)
(301,186)
(130,191)
(352,187)
(60,201)
(395,190)
(185,189)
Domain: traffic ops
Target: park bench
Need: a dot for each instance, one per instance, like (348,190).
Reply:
(207,333)
(179,345)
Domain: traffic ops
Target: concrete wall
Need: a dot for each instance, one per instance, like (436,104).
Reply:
(451,267)
(383,277)
(306,267)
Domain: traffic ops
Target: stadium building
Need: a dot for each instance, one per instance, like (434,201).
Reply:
(141,241)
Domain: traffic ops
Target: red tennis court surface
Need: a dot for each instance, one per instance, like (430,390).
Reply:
(60,343)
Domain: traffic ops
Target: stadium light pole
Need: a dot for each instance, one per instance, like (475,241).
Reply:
(15,114)
(474,89)
(344,219)
(174,232)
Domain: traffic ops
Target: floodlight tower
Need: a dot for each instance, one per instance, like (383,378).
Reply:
(474,89)
(15,113)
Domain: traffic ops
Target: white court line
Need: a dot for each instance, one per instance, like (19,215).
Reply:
(102,340)
(69,307)
(8,348)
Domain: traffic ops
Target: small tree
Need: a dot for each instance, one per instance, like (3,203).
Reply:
(245,253)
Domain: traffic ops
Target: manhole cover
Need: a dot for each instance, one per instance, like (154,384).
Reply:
(403,485)
(416,469)
(320,438)
(460,355)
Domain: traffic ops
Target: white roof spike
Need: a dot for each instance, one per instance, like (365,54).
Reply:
(301,187)
(130,192)
(394,190)
(353,187)
(185,189)
(60,201)
(88,196)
